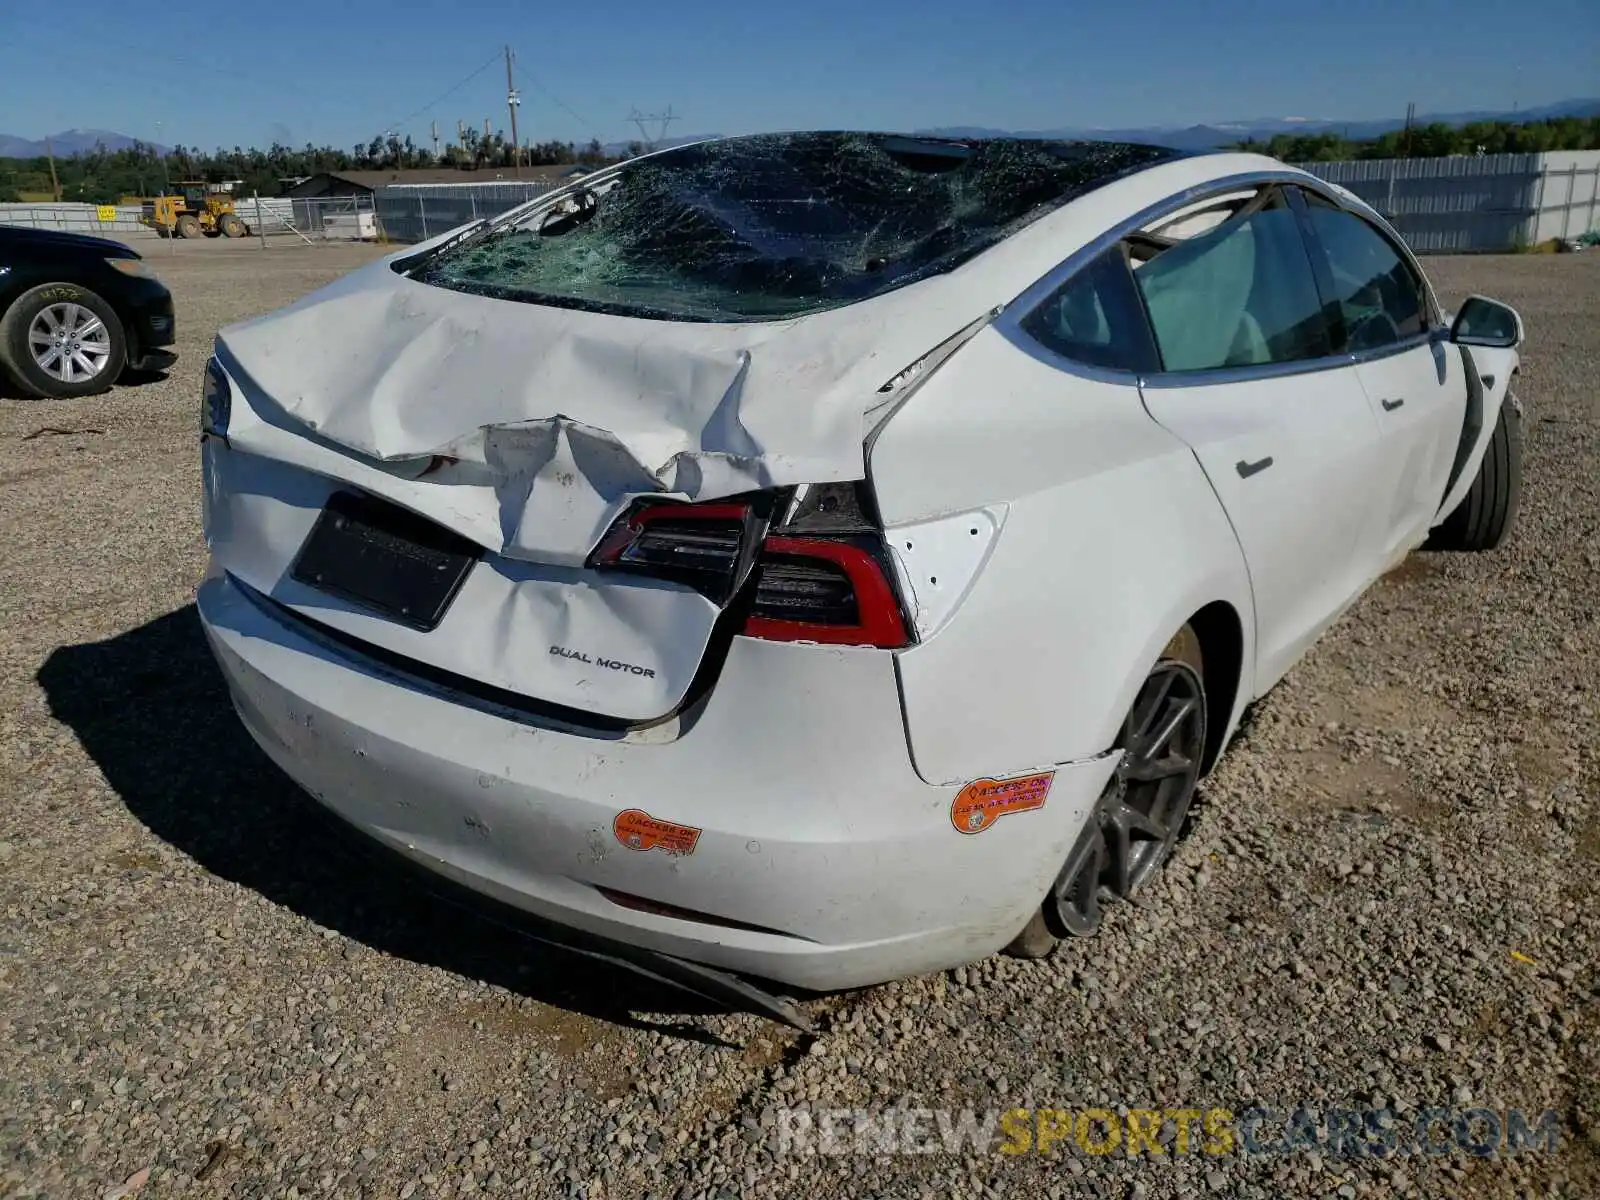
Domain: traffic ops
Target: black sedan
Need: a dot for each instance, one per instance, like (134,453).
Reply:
(75,311)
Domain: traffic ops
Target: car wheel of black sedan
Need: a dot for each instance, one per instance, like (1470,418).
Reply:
(62,341)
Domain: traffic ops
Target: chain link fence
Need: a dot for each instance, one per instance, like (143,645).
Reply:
(417,212)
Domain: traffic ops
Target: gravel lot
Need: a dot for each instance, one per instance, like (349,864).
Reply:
(1389,896)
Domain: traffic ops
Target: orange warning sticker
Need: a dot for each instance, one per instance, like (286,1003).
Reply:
(984,801)
(638,830)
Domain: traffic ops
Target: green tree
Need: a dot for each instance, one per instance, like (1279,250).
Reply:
(1437,140)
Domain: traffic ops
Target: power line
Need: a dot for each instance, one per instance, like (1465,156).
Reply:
(448,92)
(192,64)
(557,101)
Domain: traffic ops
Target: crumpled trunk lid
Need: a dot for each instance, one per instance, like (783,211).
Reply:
(568,415)
(530,430)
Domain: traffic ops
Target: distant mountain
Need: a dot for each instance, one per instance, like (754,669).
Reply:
(1196,137)
(1223,133)
(68,143)
(1216,134)
(1193,137)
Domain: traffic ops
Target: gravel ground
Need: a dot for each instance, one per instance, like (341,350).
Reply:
(1388,898)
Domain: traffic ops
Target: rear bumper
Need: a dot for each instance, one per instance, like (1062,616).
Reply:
(822,860)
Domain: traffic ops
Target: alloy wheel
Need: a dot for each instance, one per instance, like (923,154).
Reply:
(1139,815)
(69,342)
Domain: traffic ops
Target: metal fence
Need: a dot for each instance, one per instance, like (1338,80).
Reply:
(336,218)
(342,218)
(74,218)
(321,218)
(1460,204)
(417,212)
(1468,204)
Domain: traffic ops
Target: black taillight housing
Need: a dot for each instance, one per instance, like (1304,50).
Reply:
(807,564)
(703,546)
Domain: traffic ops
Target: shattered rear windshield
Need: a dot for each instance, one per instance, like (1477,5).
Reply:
(777,225)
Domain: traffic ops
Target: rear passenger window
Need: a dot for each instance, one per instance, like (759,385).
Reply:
(1380,297)
(1231,286)
(1095,318)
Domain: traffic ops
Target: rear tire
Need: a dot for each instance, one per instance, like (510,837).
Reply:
(1489,509)
(188,226)
(1111,858)
(232,226)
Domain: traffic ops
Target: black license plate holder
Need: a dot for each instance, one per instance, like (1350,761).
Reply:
(385,559)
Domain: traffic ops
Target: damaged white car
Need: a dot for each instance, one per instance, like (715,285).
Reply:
(825,558)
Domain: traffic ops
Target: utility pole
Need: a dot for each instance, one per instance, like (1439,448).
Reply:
(513,102)
(55,184)
(1411,112)
(434,128)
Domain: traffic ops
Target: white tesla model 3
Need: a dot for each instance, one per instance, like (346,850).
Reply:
(830,557)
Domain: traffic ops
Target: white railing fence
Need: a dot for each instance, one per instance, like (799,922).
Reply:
(343,218)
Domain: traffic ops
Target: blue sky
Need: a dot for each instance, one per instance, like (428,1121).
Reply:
(340,71)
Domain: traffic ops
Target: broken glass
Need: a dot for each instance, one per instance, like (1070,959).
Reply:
(774,226)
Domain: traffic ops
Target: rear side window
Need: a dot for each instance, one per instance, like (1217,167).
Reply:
(1095,318)
(1379,295)
(1231,287)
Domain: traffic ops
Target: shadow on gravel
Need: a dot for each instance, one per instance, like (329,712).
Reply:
(152,711)
(129,379)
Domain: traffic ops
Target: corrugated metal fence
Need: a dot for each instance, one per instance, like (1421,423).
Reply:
(1492,202)
(417,212)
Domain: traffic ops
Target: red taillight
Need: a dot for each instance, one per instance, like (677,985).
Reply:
(820,578)
(821,590)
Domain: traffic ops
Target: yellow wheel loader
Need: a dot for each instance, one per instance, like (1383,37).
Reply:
(193,209)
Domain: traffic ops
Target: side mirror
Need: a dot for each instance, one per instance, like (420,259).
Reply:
(1485,322)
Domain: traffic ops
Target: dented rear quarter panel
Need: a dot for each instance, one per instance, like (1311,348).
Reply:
(1112,538)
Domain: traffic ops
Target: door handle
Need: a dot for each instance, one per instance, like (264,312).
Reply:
(1391,405)
(1247,469)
